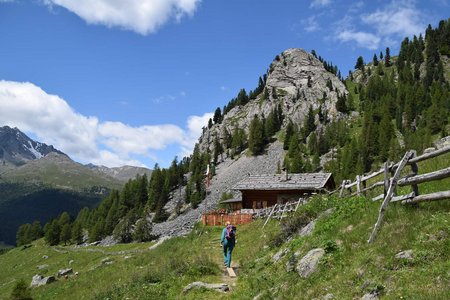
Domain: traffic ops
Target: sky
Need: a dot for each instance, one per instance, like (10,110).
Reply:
(132,82)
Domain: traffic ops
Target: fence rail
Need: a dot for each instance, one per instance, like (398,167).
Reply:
(390,183)
(278,211)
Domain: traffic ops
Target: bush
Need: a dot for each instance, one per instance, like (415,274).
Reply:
(21,291)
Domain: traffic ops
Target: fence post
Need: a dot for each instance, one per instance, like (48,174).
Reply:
(341,193)
(415,171)
(386,178)
(389,194)
(358,185)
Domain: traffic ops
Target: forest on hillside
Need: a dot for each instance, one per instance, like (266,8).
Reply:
(400,102)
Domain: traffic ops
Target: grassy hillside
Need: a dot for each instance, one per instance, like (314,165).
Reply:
(350,267)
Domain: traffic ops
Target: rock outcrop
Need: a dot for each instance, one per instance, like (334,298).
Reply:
(39,280)
(308,264)
(296,80)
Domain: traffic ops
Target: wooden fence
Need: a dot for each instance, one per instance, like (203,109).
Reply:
(391,179)
(279,211)
(216,219)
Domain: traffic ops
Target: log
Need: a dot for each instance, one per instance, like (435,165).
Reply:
(379,197)
(403,197)
(376,184)
(436,175)
(429,197)
(389,195)
(429,155)
(374,174)
(268,218)
(351,184)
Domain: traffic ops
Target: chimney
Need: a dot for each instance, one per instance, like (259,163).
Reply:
(286,173)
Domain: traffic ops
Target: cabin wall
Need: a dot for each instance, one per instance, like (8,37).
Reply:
(262,199)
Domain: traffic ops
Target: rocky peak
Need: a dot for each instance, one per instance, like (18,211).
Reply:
(17,148)
(296,80)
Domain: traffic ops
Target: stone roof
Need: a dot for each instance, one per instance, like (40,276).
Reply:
(301,181)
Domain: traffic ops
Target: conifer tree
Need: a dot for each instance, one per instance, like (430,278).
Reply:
(375,60)
(217,116)
(359,63)
(256,136)
(387,58)
(288,135)
(77,233)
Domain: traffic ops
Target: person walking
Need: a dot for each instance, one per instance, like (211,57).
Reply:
(228,241)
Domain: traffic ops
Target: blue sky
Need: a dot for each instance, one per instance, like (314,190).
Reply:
(133,82)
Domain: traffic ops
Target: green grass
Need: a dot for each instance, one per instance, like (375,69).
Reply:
(350,268)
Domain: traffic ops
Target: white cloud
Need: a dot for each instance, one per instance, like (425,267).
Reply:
(319,3)
(362,39)
(141,16)
(400,18)
(86,139)
(311,24)
(194,126)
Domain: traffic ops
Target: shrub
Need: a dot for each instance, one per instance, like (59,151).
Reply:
(21,291)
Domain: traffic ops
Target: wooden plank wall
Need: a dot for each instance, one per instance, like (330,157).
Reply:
(220,219)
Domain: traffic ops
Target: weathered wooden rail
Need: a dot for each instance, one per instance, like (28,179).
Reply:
(390,183)
(279,211)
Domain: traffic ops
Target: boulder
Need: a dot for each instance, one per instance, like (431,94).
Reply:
(370,296)
(280,254)
(407,254)
(45,256)
(39,280)
(107,261)
(220,287)
(308,264)
(40,267)
(307,229)
(64,272)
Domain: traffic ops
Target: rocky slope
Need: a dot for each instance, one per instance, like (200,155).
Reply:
(16,148)
(296,80)
(228,173)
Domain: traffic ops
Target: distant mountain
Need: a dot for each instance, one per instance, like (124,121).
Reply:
(16,148)
(38,182)
(121,173)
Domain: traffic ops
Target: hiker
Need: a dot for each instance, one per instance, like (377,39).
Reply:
(228,241)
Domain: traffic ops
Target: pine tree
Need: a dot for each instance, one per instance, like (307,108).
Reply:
(256,136)
(359,63)
(66,233)
(385,134)
(375,60)
(387,58)
(217,116)
(52,233)
(77,233)
(288,135)
(23,235)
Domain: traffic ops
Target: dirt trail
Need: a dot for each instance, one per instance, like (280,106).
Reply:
(216,248)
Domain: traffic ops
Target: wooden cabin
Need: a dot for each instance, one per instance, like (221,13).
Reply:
(261,191)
